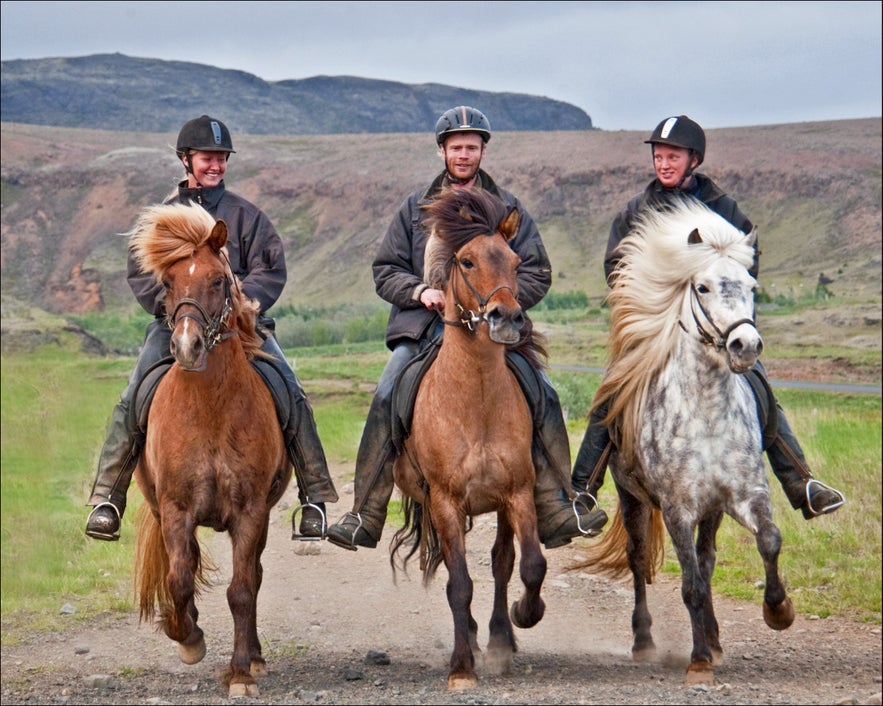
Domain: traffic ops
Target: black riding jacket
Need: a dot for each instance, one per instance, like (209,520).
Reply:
(253,246)
(398,264)
(656,194)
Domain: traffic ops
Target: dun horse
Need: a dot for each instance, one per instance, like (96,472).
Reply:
(684,419)
(214,454)
(469,451)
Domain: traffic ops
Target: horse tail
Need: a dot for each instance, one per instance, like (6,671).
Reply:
(608,555)
(151,564)
(416,534)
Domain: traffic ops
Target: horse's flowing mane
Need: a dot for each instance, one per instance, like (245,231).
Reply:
(167,233)
(454,218)
(650,283)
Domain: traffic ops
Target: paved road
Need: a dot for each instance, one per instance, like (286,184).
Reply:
(794,384)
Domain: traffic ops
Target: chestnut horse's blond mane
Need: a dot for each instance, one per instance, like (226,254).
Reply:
(167,233)
(650,283)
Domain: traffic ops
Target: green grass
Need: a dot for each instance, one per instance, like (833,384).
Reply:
(56,402)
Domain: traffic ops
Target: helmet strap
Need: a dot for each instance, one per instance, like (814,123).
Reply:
(188,169)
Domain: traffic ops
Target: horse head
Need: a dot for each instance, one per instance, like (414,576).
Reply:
(468,256)
(721,304)
(183,247)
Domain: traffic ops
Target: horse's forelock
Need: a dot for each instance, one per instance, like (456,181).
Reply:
(454,218)
(166,233)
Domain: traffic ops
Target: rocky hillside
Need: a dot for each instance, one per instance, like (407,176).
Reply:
(813,189)
(117,92)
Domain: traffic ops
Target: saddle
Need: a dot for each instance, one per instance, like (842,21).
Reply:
(267,369)
(404,393)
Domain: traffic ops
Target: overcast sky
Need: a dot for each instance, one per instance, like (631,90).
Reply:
(627,64)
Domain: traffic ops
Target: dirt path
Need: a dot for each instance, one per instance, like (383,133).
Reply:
(323,610)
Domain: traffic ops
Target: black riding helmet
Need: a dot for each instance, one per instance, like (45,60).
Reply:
(462,119)
(205,134)
(680,131)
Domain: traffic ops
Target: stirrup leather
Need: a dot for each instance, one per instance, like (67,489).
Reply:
(828,508)
(586,532)
(297,536)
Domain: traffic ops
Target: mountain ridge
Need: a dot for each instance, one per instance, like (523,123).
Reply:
(119,92)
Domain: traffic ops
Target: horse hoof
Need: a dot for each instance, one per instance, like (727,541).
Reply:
(644,654)
(461,682)
(498,661)
(700,673)
(526,618)
(191,654)
(240,689)
(780,617)
(258,667)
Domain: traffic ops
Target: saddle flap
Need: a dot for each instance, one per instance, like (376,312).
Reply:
(404,395)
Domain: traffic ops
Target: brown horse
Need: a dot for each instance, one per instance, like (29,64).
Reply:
(214,454)
(469,451)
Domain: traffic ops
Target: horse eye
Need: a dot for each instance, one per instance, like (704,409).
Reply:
(702,289)
(166,284)
(218,283)
(467,263)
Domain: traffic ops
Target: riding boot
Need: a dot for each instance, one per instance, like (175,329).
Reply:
(560,517)
(592,457)
(116,464)
(123,443)
(315,486)
(373,483)
(810,496)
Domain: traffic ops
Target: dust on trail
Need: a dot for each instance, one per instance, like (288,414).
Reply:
(322,610)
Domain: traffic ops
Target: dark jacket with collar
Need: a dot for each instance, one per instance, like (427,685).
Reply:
(656,196)
(398,264)
(253,246)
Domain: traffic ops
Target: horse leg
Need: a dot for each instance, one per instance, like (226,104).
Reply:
(179,618)
(636,519)
(530,608)
(258,663)
(694,592)
(242,599)
(778,612)
(450,528)
(501,644)
(707,555)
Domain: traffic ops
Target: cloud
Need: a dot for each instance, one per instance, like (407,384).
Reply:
(627,64)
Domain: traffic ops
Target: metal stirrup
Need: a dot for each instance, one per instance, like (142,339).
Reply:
(106,503)
(578,499)
(302,537)
(828,508)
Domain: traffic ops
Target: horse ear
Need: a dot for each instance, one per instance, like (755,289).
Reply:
(694,238)
(218,237)
(509,225)
(751,238)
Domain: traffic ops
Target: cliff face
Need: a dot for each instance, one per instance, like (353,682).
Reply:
(68,194)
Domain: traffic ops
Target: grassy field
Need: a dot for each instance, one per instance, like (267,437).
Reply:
(55,404)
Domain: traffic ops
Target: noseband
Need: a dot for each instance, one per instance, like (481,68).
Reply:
(212,327)
(720,341)
(470,318)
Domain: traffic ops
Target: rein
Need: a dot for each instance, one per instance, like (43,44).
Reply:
(470,318)
(721,341)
